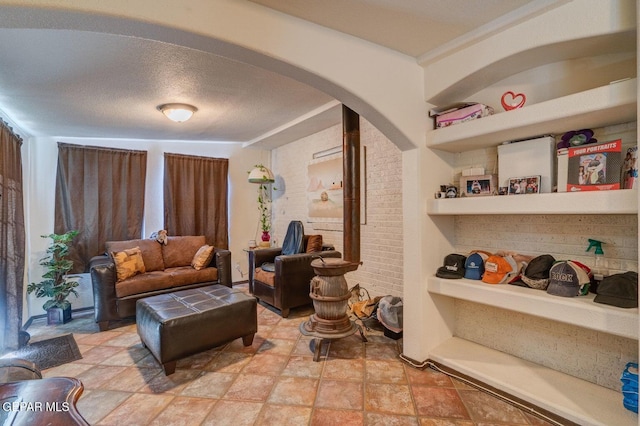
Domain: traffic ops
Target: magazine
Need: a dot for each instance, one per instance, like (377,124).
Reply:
(595,167)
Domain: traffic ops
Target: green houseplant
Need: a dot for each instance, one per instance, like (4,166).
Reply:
(263,177)
(56,283)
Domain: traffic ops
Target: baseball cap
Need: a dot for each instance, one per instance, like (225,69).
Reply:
(499,269)
(474,266)
(453,266)
(536,273)
(568,278)
(619,290)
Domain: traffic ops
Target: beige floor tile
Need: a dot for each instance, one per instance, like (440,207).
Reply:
(303,366)
(340,395)
(284,415)
(344,369)
(183,411)
(439,402)
(94,405)
(294,391)
(329,417)
(385,372)
(228,362)
(388,399)
(139,409)
(209,385)
(485,409)
(233,413)
(99,375)
(266,363)
(131,379)
(251,387)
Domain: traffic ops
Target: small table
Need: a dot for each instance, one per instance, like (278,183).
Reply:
(40,402)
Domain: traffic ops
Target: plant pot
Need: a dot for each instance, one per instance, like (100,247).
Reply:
(266,236)
(57,316)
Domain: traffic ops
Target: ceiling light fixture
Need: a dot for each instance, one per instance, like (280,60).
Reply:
(177,112)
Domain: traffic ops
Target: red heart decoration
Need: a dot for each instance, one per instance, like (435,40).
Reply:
(517,100)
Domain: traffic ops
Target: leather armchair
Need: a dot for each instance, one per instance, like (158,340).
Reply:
(288,286)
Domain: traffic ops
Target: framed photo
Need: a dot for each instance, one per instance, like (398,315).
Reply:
(324,191)
(474,186)
(524,185)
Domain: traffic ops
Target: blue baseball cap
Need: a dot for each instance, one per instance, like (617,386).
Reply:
(474,267)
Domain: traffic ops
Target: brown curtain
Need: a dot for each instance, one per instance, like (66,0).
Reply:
(12,239)
(99,192)
(195,197)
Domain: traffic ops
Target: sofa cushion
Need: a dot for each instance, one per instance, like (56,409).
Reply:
(128,263)
(150,281)
(179,251)
(203,257)
(314,243)
(151,252)
(160,280)
(184,275)
(265,277)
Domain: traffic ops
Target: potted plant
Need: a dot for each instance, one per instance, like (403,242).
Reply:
(264,206)
(56,283)
(263,177)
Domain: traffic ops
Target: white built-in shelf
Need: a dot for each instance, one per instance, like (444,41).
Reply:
(599,107)
(574,399)
(581,311)
(623,201)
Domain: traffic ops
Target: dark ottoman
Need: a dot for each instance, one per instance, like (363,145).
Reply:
(176,325)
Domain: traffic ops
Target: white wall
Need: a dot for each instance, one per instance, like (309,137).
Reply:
(40,174)
(381,237)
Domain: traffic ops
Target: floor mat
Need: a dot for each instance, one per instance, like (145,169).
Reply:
(50,353)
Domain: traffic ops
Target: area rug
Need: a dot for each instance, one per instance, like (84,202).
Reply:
(50,353)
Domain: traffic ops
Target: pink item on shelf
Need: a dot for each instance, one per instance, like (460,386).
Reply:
(461,115)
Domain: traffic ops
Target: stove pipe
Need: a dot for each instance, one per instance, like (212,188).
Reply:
(351,187)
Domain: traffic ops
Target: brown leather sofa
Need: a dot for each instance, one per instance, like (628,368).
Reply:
(288,285)
(167,268)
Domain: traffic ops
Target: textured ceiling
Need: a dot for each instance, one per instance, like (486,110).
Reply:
(66,83)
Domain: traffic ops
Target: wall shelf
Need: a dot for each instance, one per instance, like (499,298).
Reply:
(599,107)
(589,202)
(574,399)
(580,311)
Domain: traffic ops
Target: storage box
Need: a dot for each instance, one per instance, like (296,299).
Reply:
(530,157)
(471,112)
(592,167)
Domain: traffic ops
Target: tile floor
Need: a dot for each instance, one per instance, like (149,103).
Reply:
(273,382)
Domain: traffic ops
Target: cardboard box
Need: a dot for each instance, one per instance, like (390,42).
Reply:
(471,112)
(530,157)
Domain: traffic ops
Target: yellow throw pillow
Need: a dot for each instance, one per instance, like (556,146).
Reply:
(128,263)
(202,257)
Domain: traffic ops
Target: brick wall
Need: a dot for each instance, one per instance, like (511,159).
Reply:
(381,235)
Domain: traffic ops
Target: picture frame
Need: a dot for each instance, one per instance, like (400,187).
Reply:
(324,188)
(477,186)
(524,185)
